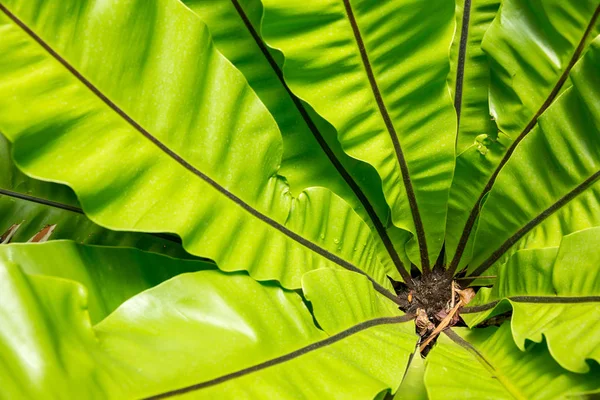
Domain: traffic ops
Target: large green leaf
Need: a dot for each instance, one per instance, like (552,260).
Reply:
(486,364)
(549,187)
(377,71)
(312,156)
(110,275)
(46,342)
(344,290)
(221,335)
(532,46)
(479,147)
(413,385)
(350,360)
(35,204)
(469,72)
(554,292)
(153,150)
(234,26)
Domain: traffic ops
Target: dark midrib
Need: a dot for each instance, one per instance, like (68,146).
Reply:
(462,55)
(70,208)
(39,200)
(464,238)
(381,231)
(292,235)
(532,299)
(285,358)
(462,342)
(533,223)
(414,208)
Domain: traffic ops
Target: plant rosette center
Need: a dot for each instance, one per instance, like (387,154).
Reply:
(435,300)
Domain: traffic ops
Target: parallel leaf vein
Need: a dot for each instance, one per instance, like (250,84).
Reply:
(462,55)
(464,238)
(496,374)
(534,222)
(287,357)
(377,223)
(410,193)
(176,157)
(533,299)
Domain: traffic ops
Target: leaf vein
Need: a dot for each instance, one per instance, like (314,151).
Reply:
(177,158)
(287,357)
(410,194)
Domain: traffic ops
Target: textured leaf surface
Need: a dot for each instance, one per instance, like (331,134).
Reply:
(486,364)
(312,156)
(471,167)
(152,150)
(549,187)
(554,292)
(478,147)
(377,71)
(204,327)
(469,76)
(35,204)
(304,163)
(532,46)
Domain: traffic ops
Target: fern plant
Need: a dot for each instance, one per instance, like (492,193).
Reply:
(300,199)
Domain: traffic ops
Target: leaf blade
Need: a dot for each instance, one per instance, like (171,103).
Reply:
(36,204)
(110,275)
(488,361)
(550,291)
(558,35)
(148,183)
(327,66)
(540,198)
(274,337)
(469,69)
(312,155)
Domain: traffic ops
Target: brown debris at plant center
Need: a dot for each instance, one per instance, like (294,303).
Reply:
(435,300)
(430,292)
(451,316)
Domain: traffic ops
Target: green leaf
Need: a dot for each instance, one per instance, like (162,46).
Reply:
(479,146)
(344,290)
(35,204)
(549,187)
(548,36)
(413,385)
(553,293)
(111,275)
(47,346)
(486,364)
(469,72)
(312,156)
(152,151)
(377,71)
(268,357)
(216,332)
(532,46)
(471,167)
